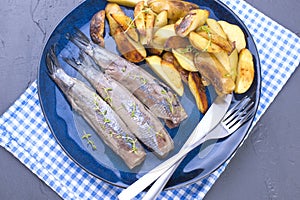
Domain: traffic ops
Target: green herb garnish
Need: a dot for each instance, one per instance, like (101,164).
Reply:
(87,137)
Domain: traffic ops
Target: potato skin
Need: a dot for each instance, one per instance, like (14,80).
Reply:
(127,48)
(176,8)
(97,27)
(113,8)
(245,71)
(211,69)
(198,90)
(191,21)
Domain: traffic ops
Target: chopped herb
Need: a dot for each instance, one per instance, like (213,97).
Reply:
(163,92)
(131,24)
(133,109)
(87,137)
(107,98)
(159,134)
(170,102)
(132,142)
(105,120)
(206,29)
(143,80)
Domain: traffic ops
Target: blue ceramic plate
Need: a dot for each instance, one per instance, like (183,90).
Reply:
(102,163)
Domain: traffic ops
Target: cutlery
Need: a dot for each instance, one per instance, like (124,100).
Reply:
(234,118)
(212,117)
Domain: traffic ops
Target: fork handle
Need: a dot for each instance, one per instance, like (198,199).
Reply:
(160,183)
(144,181)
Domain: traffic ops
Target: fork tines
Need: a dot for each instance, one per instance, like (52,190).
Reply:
(239,114)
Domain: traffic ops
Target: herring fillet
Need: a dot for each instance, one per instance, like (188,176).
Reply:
(142,123)
(98,114)
(157,96)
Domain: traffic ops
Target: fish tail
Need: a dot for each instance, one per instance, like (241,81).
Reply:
(79,39)
(52,62)
(64,81)
(72,62)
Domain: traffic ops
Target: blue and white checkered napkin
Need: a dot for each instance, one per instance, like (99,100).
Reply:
(24,132)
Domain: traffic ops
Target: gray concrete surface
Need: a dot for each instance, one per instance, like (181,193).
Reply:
(265,167)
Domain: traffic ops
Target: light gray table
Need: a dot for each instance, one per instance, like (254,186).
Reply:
(265,167)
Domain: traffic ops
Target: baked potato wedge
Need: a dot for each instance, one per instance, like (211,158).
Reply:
(131,50)
(245,71)
(175,8)
(234,34)
(169,57)
(161,20)
(203,44)
(128,3)
(214,26)
(175,42)
(163,34)
(214,72)
(97,27)
(228,62)
(185,59)
(233,61)
(140,18)
(113,8)
(150,19)
(198,90)
(167,72)
(127,25)
(191,21)
(216,39)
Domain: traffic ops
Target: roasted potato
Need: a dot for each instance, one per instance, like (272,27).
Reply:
(161,20)
(228,62)
(175,8)
(185,59)
(163,34)
(216,39)
(191,21)
(169,57)
(211,69)
(97,28)
(154,49)
(126,24)
(112,8)
(203,44)
(150,19)
(131,50)
(233,60)
(140,18)
(234,34)
(175,42)
(167,72)
(198,90)
(128,3)
(245,71)
(216,27)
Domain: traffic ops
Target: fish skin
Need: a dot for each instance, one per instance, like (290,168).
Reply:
(158,97)
(146,127)
(98,114)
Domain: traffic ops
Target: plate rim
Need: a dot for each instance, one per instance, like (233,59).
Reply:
(185,183)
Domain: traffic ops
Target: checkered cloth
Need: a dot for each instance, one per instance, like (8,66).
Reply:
(24,132)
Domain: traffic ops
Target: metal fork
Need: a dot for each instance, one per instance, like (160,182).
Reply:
(233,119)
